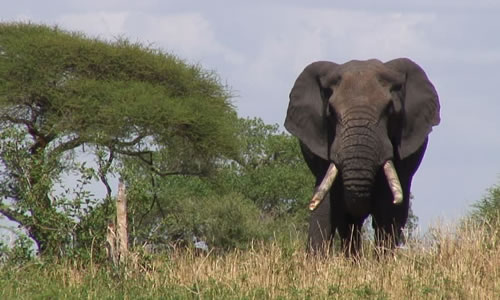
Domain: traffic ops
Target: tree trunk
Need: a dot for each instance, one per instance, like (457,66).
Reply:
(121,221)
(117,236)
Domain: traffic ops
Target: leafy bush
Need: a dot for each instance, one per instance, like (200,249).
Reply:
(181,209)
(22,251)
(229,221)
(487,210)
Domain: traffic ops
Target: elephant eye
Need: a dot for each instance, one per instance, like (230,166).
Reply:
(396,87)
(393,108)
(335,80)
(327,93)
(389,108)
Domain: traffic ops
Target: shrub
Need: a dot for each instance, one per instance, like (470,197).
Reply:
(487,210)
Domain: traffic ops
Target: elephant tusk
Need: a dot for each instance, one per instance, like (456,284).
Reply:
(393,180)
(324,187)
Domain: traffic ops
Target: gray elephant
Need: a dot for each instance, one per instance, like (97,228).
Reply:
(369,122)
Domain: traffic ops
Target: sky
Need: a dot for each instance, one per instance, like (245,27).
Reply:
(258,48)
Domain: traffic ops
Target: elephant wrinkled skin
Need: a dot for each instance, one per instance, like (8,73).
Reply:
(369,122)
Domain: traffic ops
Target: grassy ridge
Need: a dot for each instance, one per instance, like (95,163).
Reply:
(464,264)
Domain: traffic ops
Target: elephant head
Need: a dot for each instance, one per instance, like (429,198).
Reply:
(361,116)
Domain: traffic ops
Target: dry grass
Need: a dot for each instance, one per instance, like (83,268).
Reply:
(447,264)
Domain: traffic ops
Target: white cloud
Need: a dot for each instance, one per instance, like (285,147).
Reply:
(342,35)
(103,24)
(304,35)
(188,35)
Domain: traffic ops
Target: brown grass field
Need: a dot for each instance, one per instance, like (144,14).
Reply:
(445,264)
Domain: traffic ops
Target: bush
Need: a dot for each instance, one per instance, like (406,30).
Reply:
(230,221)
(223,222)
(181,210)
(22,251)
(487,210)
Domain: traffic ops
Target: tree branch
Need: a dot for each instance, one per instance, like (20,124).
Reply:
(130,143)
(16,120)
(131,153)
(41,140)
(183,173)
(12,215)
(141,154)
(72,144)
(103,170)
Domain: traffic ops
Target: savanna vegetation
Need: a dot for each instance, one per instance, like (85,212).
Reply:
(76,113)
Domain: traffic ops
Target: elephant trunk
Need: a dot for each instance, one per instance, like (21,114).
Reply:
(358,155)
(358,174)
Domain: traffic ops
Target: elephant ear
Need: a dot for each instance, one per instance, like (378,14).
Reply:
(420,104)
(306,116)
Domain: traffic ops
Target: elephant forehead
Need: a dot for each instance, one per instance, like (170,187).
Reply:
(362,84)
(370,69)
(360,88)
(360,79)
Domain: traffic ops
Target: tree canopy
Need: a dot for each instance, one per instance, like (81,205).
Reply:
(60,84)
(61,91)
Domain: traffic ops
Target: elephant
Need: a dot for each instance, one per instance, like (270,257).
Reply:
(363,129)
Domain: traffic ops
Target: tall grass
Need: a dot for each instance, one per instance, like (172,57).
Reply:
(447,263)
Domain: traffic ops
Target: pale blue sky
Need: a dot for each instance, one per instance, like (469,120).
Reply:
(259,47)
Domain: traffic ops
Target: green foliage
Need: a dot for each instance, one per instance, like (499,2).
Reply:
(89,233)
(110,92)
(269,170)
(487,210)
(179,209)
(267,183)
(60,91)
(153,115)
(27,180)
(230,221)
(21,252)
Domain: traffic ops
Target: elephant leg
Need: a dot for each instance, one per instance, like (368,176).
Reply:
(388,218)
(350,235)
(387,236)
(321,230)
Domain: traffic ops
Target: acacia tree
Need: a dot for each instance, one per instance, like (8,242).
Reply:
(61,91)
